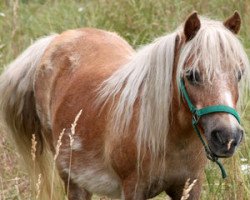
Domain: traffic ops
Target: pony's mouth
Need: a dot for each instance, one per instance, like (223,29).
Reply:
(221,151)
(222,156)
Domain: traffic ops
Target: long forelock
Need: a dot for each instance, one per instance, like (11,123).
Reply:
(215,48)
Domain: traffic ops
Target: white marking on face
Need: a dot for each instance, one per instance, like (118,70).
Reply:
(228,99)
(198,106)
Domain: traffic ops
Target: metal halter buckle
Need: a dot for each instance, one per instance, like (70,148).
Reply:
(195,118)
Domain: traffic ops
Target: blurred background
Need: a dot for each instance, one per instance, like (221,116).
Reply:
(139,22)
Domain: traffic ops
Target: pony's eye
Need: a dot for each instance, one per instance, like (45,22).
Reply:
(193,76)
(239,75)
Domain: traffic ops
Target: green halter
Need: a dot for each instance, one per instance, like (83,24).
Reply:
(198,113)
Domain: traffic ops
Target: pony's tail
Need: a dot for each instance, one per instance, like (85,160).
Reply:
(19,118)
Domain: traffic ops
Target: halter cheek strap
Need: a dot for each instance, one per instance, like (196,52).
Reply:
(198,113)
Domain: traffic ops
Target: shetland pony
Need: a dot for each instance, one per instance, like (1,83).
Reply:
(132,137)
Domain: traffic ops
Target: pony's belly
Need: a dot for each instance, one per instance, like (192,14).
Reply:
(98,180)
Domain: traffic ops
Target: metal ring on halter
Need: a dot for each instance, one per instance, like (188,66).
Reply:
(195,118)
(211,156)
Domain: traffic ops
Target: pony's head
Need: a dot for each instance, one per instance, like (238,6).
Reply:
(212,63)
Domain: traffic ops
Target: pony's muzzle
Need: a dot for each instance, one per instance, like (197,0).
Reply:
(224,140)
(223,133)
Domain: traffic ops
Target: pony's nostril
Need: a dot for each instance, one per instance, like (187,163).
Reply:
(240,136)
(217,136)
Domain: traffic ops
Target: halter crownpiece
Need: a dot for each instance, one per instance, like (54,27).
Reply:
(198,113)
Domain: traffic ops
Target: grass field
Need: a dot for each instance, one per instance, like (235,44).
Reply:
(139,22)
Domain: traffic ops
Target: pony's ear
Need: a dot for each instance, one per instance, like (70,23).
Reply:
(233,23)
(192,25)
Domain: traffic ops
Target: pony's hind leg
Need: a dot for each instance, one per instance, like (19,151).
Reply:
(73,191)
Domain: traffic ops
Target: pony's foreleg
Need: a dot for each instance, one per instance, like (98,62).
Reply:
(77,193)
(178,192)
(73,191)
(132,189)
(195,192)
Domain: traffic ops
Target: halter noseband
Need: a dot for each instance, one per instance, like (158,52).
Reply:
(198,113)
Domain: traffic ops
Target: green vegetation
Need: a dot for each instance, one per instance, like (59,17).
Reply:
(139,22)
